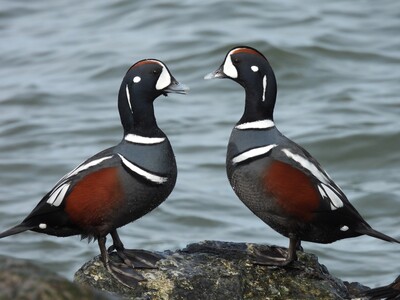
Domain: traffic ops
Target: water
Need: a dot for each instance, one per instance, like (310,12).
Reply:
(338,71)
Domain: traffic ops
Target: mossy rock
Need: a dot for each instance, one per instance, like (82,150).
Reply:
(223,270)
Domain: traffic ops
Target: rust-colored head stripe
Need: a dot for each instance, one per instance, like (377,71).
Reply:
(246,50)
(143,62)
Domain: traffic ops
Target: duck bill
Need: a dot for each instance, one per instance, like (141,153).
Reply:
(176,87)
(219,73)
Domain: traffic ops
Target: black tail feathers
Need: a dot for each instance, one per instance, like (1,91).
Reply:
(16,229)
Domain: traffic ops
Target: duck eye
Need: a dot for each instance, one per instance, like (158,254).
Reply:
(155,71)
(236,60)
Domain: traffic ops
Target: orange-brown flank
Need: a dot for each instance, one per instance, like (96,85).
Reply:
(94,198)
(293,190)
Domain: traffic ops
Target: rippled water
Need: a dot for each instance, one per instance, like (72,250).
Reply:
(338,71)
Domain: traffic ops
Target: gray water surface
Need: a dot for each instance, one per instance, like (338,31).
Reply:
(338,71)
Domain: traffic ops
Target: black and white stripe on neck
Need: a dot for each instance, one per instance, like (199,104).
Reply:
(261,124)
(139,139)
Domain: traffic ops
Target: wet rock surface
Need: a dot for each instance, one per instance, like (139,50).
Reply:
(223,270)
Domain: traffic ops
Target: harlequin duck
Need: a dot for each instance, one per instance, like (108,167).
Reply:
(390,291)
(276,179)
(120,184)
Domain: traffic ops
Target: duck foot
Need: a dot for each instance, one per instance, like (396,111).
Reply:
(123,272)
(277,256)
(136,258)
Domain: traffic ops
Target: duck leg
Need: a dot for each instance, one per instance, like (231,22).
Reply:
(122,272)
(135,258)
(282,260)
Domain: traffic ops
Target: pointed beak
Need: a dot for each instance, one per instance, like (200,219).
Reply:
(219,73)
(176,87)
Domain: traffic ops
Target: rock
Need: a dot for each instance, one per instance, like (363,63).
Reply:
(20,279)
(223,270)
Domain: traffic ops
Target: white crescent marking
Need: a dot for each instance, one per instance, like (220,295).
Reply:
(141,172)
(165,78)
(252,153)
(229,69)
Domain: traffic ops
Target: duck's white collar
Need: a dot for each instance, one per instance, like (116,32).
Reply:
(261,124)
(138,139)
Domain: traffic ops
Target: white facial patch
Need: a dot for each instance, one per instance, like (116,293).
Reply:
(344,228)
(136,79)
(264,87)
(253,153)
(262,124)
(254,68)
(147,175)
(42,226)
(229,69)
(165,78)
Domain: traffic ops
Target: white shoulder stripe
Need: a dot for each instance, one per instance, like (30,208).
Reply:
(138,139)
(141,172)
(87,166)
(252,153)
(262,124)
(306,164)
(336,202)
(57,196)
(62,186)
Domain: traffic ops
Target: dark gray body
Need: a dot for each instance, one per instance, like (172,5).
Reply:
(246,179)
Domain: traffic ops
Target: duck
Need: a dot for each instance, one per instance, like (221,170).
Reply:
(277,179)
(120,184)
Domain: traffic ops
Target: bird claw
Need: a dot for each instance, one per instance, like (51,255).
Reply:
(135,258)
(125,274)
(276,256)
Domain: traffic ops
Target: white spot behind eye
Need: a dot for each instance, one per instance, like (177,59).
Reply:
(344,228)
(136,79)
(164,80)
(229,69)
(254,68)
(42,226)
